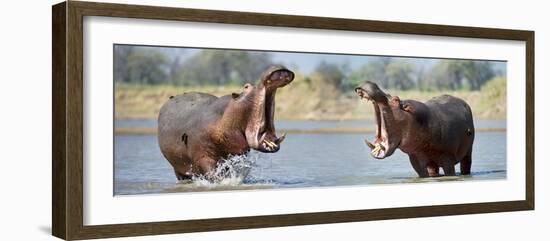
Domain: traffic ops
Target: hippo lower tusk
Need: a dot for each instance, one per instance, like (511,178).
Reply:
(376,150)
(270,143)
(371,146)
(281,139)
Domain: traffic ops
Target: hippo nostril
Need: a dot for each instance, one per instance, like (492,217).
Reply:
(184,138)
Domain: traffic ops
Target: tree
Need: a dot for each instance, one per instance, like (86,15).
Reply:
(174,57)
(399,74)
(444,75)
(478,73)
(147,66)
(140,65)
(388,72)
(174,68)
(223,67)
(456,74)
(205,67)
(249,65)
(121,53)
(332,74)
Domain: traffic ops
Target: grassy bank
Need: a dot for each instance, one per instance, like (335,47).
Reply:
(308,99)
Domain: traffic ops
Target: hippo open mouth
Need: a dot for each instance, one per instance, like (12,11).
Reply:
(385,141)
(261,133)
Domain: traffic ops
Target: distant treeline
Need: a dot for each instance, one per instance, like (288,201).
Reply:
(153,66)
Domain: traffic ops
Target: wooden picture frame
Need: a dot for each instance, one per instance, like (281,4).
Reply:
(67,149)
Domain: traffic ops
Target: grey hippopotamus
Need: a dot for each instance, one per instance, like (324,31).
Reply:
(197,130)
(438,133)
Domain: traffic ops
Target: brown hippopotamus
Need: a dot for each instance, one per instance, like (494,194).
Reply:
(197,130)
(436,133)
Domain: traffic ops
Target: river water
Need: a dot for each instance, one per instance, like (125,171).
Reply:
(304,160)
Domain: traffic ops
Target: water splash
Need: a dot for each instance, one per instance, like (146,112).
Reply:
(231,171)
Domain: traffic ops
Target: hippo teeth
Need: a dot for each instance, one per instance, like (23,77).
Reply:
(370,145)
(266,146)
(375,148)
(269,145)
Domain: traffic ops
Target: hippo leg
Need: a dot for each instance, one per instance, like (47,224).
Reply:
(433,169)
(182,177)
(416,165)
(466,164)
(449,168)
(206,165)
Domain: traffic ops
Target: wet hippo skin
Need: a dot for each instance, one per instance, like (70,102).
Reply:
(197,130)
(438,133)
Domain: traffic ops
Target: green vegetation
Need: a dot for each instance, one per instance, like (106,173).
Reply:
(146,76)
(207,67)
(387,72)
(151,66)
(309,98)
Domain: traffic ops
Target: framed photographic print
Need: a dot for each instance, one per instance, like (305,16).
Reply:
(170,120)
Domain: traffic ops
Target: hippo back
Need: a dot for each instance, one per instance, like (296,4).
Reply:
(450,109)
(184,117)
(451,123)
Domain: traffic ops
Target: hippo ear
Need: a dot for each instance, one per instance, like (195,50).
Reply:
(407,107)
(235,95)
